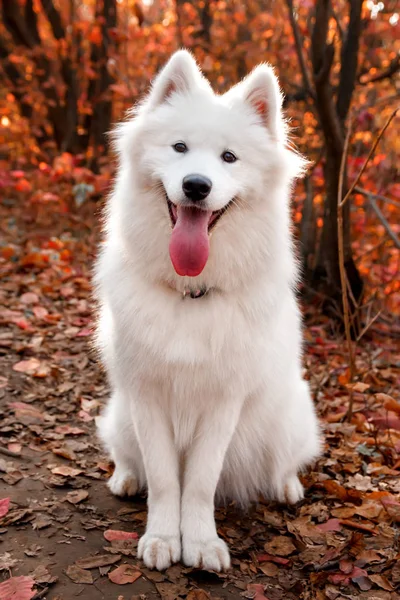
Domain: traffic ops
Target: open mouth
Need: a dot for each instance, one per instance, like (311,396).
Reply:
(189,245)
(213,220)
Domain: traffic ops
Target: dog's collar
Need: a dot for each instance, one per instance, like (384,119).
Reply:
(196,293)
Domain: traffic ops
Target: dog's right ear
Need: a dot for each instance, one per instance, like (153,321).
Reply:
(179,75)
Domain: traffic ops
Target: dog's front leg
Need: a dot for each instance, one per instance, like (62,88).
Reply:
(161,544)
(201,546)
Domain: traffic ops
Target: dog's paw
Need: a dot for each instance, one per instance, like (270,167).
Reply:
(291,491)
(212,555)
(159,551)
(123,483)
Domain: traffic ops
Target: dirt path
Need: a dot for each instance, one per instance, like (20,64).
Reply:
(341,542)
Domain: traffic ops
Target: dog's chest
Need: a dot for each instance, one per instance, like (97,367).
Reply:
(198,347)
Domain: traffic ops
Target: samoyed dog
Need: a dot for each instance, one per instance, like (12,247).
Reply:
(199,326)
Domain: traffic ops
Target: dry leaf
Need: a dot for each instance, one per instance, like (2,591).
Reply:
(7,561)
(280,545)
(269,569)
(66,471)
(198,595)
(28,367)
(91,562)
(124,574)
(42,575)
(78,575)
(256,591)
(77,496)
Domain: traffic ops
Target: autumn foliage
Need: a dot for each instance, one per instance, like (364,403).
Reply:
(68,70)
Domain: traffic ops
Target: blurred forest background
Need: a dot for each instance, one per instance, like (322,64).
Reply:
(70,69)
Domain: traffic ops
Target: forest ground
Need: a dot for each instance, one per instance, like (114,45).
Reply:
(58,529)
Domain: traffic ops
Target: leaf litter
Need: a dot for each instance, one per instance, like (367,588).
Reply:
(340,542)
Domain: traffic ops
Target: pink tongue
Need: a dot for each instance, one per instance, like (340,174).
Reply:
(189,245)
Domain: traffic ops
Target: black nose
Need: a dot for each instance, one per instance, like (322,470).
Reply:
(196,187)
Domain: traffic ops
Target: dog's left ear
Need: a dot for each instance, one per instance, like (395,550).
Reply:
(181,74)
(261,91)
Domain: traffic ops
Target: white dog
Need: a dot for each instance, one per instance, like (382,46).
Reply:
(199,326)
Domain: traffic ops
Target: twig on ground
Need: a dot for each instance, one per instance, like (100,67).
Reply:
(12,454)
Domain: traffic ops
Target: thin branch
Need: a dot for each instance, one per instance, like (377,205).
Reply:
(372,150)
(368,325)
(384,222)
(386,74)
(299,49)
(342,268)
(361,190)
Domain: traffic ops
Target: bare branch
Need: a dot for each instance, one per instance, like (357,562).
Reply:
(361,190)
(383,220)
(386,74)
(370,153)
(299,48)
(342,269)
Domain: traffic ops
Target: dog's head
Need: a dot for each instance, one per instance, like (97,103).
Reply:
(210,162)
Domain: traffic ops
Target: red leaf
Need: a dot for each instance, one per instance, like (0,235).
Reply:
(112,535)
(4,506)
(331,525)
(17,588)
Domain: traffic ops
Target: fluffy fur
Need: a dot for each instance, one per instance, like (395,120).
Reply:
(207,397)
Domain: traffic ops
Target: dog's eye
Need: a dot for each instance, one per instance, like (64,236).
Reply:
(228,157)
(180,147)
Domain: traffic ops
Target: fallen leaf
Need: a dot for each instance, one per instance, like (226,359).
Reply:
(78,575)
(331,525)
(4,506)
(124,574)
(358,525)
(28,366)
(381,582)
(77,496)
(280,545)
(91,562)
(42,575)
(29,298)
(269,569)
(257,591)
(7,562)
(17,588)
(113,534)
(198,595)
(66,471)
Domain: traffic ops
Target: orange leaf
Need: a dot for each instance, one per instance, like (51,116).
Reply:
(124,574)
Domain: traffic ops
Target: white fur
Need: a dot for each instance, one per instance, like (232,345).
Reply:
(208,397)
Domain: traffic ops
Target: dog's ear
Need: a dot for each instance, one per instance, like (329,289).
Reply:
(261,91)
(180,74)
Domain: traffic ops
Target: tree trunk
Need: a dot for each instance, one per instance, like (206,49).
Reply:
(326,276)
(99,94)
